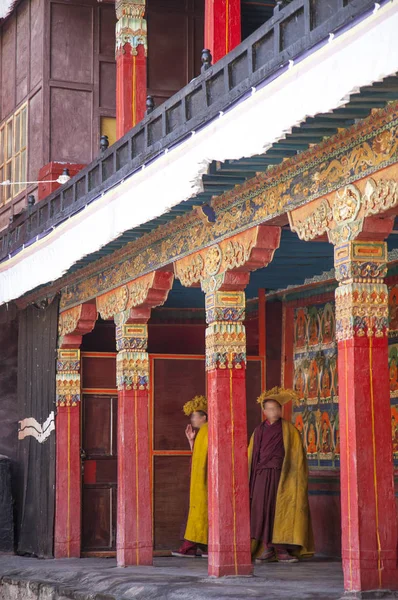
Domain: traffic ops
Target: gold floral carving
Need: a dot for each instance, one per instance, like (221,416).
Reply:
(316,224)
(380,196)
(68,320)
(113,302)
(236,254)
(209,266)
(138,291)
(190,272)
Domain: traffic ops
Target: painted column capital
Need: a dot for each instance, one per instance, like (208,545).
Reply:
(225,334)
(362,297)
(132,361)
(131,26)
(72,325)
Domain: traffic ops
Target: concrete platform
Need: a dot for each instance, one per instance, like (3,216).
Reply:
(169,579)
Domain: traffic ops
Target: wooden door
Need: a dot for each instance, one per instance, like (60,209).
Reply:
(99,467)
(176,379)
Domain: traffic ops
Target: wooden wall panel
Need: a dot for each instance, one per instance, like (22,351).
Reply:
(22,52)
(71,43)
(35,132)
(175,382)
(107,24)
(98,507)
(175,42)
(98,430)
(167,44)
(107,87)
(171,500)
(99,372)
(71,125)
(8,68)
(36,41)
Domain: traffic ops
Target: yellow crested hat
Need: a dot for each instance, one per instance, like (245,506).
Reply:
(197,403)
(281,396)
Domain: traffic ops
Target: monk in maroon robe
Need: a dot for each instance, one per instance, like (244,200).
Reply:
(267,451)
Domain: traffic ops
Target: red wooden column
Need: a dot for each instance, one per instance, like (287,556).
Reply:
(134,514)
(130,306)
(223,272)
(369,522)
(67,535)
(229,513)
(222,26)
(131,53)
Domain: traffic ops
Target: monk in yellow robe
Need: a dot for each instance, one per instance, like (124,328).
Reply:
(280,521)
(196,532)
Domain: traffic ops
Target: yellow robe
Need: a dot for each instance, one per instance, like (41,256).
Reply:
(197,524)
(292,524)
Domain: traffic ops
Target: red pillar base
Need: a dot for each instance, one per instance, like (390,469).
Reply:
(134,522)
(68,494)
(229,521)
(369,522)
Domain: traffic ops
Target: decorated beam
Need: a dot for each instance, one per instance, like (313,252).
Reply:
(359,152)
(130,306)
(72,325)
(223,271)
(131,53)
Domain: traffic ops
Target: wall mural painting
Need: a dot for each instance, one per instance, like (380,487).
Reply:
(315,380)
(315,413)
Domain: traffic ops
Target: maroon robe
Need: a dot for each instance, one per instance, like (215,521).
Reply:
(268,456)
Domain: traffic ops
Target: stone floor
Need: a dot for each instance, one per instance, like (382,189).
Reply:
(169,579)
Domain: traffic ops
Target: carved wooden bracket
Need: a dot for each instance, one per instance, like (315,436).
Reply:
(74,323)
(226,266)
(136,298)
(365,210)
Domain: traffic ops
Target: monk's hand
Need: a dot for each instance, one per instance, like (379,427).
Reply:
(190,433)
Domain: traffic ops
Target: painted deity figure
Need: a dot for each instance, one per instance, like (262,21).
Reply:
(326,437)
(393,375)
(299,384)
(312,446)
(327,329)
(337,446)
(313,331)
(393,310)
(326,383)
(196,531)
(313,380)
(300,330)
(280,522)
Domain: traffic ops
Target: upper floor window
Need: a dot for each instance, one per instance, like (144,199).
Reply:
(13,157)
